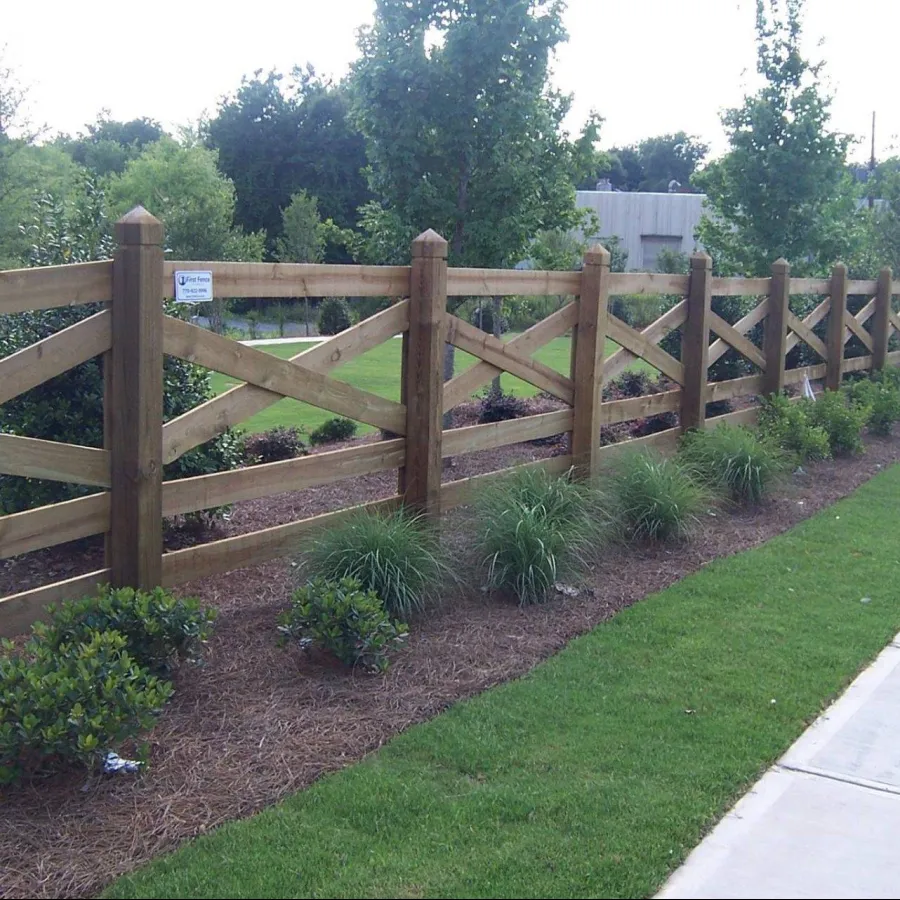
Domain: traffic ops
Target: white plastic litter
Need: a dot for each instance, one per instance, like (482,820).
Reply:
(112,762)
(807,389)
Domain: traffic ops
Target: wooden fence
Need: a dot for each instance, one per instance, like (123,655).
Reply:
(133,334)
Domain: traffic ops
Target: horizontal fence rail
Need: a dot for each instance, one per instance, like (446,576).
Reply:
(128,497)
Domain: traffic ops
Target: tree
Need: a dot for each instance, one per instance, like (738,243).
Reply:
(302,239)
(783,188)
(109,145)
(277,136)
(669,157)
(464,134)
(650,165)
(183,187)
(69,407)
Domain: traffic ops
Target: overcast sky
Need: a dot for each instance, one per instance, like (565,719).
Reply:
(647,66)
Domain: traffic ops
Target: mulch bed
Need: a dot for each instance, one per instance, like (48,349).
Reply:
(258,722)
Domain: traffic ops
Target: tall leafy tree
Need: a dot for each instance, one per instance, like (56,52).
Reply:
(464,133)
(109,145)
(182,186)
(783,189)
(276,136)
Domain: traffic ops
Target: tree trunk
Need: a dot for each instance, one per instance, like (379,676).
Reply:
(496,302)
(449,366)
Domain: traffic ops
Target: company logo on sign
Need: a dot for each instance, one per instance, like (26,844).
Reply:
(193,287)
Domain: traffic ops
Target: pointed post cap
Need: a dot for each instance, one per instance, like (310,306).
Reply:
(429,244)
(701,260)
(597,255)
(138,227)
(781,265)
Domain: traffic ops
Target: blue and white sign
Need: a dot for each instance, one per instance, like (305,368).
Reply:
(193,287)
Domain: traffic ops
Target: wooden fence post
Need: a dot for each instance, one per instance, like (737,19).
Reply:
(881,320)
(835,362)
(424,370)
(587,360)
(775,329)
(136,403)
(695,343)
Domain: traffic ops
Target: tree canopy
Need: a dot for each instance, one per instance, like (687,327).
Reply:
(276,136)
(109,145)
(783,189)
(463,131)
(182,186)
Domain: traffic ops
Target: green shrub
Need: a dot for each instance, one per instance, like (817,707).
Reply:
(841,418)
(499,407)
(655,498)
(733,459)
(395,555)
(345,620)
(533,529)
(333,430)
(276,444)
(72,703)
(160,629)
(786,424)
(882,398)
(334,315)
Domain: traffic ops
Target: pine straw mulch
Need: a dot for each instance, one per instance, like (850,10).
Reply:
(258,722)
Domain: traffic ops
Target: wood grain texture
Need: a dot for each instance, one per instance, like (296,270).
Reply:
(662,442)
(836,324)
(136,403)
(462,386)
(614,365)
(644,348)
(420,479)
(254,548)
(204,422)
(280,376)
(881,322)
(638,407)
(471,438)
(18,612)
(776,328)
(508,358)
(31,366)
(511,282)
(587,360)
(647,283)
(222,488)
(735,387)
(58,523)
(719,348)
(810,286)
(47,287)
(813,373)
(748,416)
(801,331)
(271,280)
(695,343)
(858,363)
(855,328)
(34,458)
(862,287)
(740,287)
(736,340)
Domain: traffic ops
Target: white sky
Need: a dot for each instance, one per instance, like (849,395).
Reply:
(647,66)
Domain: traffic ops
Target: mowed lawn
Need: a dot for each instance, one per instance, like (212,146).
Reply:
(597,773)
(378,371)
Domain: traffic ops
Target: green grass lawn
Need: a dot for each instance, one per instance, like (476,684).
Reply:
(597,773)
(378,371)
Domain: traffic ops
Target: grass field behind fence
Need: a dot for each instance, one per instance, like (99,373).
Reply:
(378,371)
(597,773)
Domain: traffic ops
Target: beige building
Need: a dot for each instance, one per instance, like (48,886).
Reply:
(646,223)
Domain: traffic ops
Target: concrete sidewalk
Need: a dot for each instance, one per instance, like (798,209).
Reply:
(825,821)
